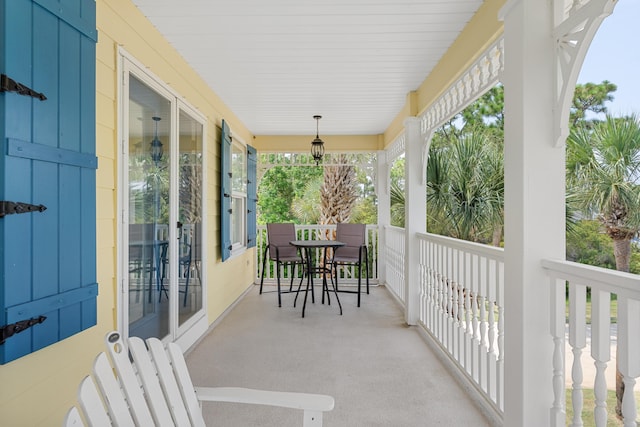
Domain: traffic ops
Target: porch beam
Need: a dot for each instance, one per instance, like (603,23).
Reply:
(534,208)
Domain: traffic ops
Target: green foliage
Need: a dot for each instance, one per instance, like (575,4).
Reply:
(305,207)
(397,202)
(587,244)
(396,192)
(486,112)
(274,196)
(590,97)
(292,194)
(465,186)
(465,179)
(365,211)
(634,264)
(589,403)
(602,173)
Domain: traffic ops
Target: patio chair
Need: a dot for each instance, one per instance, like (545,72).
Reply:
(353,253)
(153,388)
(184,269)
(280,251)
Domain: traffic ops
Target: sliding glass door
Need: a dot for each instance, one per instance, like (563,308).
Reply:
(162,226)
(189,277)
(148,219)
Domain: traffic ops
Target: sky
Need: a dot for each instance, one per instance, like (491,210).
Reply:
(614,55)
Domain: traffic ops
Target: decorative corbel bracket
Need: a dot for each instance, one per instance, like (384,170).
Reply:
(573,35)
(426,144)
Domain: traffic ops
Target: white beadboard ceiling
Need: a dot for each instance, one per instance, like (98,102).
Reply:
(277,63)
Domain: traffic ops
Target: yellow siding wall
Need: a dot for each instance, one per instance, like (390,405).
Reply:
(37,390)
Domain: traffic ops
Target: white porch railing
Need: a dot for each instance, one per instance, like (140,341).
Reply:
(348,274)
(594,327)
(394,255)
(462,309)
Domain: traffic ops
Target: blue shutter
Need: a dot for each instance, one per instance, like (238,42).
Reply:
(252,187)
(225,191)
(48,259)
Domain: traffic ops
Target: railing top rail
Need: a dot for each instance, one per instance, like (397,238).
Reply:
(614,281)
(471,247)
(318,226)
(394,228)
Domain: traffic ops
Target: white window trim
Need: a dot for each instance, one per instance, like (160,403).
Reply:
(238,248)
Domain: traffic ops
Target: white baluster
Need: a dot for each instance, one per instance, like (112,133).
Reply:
(628,351)
(441,297)
(469,313)
(475,271)
(500,297)
(427,284)
(450,301)
(492,336)
(600,350)
(483,304)
(461,308)
(423,284)
(558,308)
(492,355)
(577,340)
(433,291)
(484,325)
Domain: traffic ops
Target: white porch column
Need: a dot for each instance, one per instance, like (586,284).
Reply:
(415,218)
(534,208)
(384,214)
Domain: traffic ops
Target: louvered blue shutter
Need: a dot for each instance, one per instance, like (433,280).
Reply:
(252,166)
(48,259)
(225,191)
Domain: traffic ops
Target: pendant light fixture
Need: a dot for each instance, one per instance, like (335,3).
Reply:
(155,146)
(317,145)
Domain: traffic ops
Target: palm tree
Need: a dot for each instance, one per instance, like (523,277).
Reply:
(397,204)
(305,207)
(338,193)
(603,167)
(465,188)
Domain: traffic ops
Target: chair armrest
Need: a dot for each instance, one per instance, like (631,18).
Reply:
(304,401)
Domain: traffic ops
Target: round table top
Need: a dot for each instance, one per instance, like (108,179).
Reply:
(316,243)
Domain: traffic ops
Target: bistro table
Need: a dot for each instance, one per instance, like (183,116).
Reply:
(307,247)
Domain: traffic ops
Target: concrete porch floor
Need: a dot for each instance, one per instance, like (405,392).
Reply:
(380,371)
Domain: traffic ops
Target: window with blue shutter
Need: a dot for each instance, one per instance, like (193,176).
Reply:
(47,160)
(252,199)
(225,191)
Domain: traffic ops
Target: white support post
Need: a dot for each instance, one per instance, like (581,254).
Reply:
(384,211)
(415,216)
(534,209)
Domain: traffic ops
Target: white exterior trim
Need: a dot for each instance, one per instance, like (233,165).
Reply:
(573,34)
(481,76)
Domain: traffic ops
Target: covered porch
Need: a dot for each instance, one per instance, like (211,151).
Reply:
(381,372)
(460,307)
(453,332)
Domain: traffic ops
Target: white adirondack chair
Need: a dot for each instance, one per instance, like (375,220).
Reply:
(155,389)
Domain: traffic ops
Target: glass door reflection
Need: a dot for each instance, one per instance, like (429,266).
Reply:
(148,178)
(189,217)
